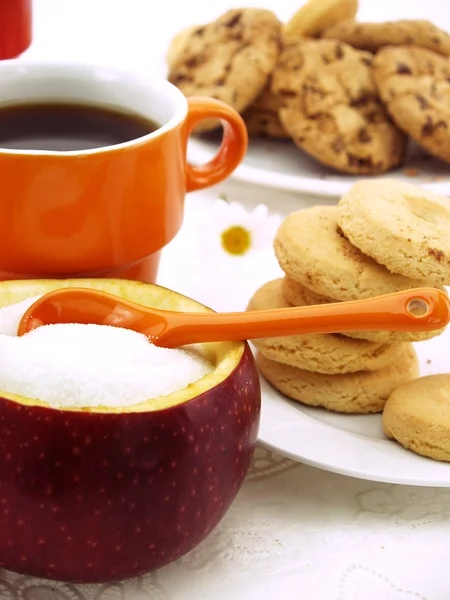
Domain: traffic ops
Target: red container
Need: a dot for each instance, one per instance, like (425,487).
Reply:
(15,27)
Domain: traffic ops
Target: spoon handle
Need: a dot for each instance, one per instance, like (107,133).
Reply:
(421,309)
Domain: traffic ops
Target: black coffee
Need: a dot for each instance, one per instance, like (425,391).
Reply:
(63,127)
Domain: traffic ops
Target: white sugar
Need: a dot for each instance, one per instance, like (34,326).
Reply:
(10,315)
(89,365)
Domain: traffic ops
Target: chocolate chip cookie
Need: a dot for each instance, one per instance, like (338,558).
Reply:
(414,84)
(178,45)
(229,59)
(262,117)
(330,107)
(372,36)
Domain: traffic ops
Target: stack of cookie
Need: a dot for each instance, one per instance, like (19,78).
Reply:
(383,237)
(349,94)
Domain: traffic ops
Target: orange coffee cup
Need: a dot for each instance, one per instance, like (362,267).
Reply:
(106,211)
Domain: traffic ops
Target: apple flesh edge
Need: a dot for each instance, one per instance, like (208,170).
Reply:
(101,496)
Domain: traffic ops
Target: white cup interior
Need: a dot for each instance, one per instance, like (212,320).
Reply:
(151,98)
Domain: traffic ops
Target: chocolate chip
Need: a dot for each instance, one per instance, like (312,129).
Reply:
(403,69)
(359,102)
(338,146)
(176,79)
(367,61)
(364,136)
(435,40)
(325,59)
(376,116)
(357,161)
(339,52)
(423,102)
(427,128)
(286,93)
(199,31)
(234,20)
(192,62)
(220,81)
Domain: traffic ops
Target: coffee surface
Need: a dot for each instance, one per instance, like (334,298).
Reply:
(65,127)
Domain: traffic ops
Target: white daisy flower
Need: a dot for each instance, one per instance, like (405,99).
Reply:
(229,228)
(222,254)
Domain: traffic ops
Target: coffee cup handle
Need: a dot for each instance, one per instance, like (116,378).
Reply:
(232,149)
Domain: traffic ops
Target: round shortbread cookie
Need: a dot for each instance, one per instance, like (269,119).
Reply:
(414,84)
(229,59)
(358,393)
(400,225)
(372,36)
(331,109)
(316,16)
(299,295)
(417,415)
(312,250)
(320,353)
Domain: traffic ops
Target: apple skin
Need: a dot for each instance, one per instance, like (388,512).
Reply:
(89,497)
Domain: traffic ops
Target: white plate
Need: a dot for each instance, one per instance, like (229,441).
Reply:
(353,445)
(281,165)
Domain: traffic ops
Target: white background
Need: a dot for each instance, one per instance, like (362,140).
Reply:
(136,32)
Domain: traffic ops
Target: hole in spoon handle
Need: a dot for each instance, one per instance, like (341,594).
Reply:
(418,308)
(425,308)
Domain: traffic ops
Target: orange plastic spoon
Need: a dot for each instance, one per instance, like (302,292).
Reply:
(422,309)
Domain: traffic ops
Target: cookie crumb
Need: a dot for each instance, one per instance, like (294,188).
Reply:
(428,361)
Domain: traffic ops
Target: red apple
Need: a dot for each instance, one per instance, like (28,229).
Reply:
(100,495)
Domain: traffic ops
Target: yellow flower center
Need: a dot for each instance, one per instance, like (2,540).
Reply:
(236,240)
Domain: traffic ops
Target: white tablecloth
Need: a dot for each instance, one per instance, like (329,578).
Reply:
(294,532)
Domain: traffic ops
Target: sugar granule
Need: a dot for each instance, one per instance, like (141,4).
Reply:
(74,365)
